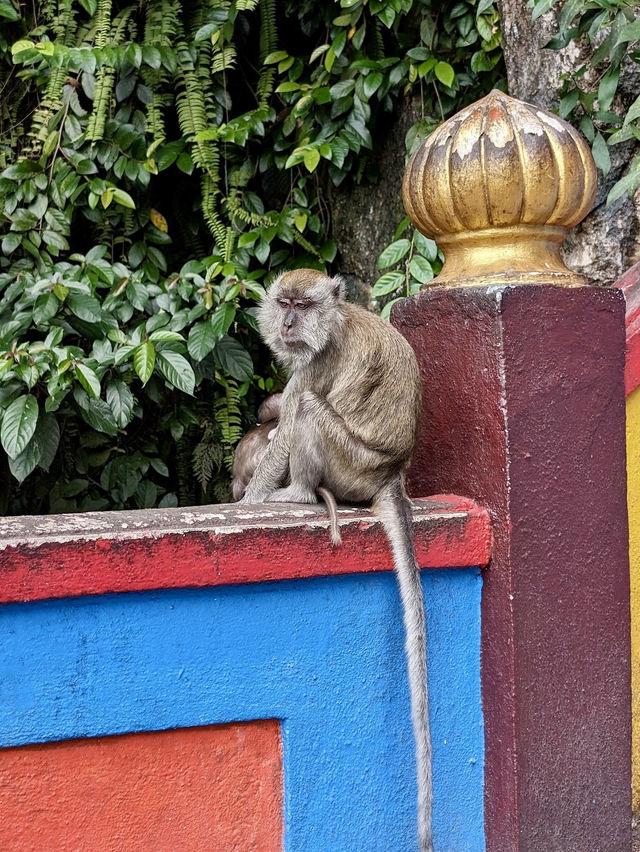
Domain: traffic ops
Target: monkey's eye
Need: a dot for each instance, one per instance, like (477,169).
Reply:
(283,303)
(303,305)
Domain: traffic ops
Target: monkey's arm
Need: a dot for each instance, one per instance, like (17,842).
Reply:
(272,468)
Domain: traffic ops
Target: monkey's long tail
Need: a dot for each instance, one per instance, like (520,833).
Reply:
(332,509)
(394,510)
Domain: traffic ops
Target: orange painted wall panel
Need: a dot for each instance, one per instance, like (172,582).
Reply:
(210,788)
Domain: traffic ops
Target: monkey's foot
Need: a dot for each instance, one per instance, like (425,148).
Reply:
(293,494)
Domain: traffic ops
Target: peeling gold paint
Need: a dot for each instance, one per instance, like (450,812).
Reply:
(498,186)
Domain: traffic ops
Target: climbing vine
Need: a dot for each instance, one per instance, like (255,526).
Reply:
(159,162)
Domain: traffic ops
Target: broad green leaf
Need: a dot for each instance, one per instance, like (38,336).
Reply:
(11,242)
(160,467)
(18,424)
(144,357)
(177,370)
(628,184)
(276,56)
(222,318)
(425,246)
(88,379)
(632,113)
(387,283)
(393,253)
(541,7)
(53,238)
(600,151)
(385,313)
(23,220)
(121,401)
(8,11)
(317,53)
(630,32)
(607,88)
(47,435)
(421,269)
(99,415)
(123,198)
(445,73)
(86,308)
(205,32)
(372,83)
(21,45)
(26,462)
(201,341)
(46,308)
(234,359)
(165,335)
(40,450)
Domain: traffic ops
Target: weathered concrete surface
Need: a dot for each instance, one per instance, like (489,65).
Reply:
(93,553)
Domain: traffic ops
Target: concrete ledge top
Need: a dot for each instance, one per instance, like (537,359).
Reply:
(100,552)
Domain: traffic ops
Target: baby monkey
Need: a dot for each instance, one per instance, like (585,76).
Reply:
(348,423)
(253,446)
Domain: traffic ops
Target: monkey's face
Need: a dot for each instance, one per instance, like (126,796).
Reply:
(300,315)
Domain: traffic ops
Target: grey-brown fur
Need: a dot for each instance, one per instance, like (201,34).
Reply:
(349,422)
(253,446)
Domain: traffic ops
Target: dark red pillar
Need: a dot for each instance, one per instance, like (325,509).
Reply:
(524,411)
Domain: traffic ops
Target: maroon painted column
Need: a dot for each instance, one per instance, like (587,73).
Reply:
(524,411)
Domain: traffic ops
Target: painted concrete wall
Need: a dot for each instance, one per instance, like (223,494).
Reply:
(323,656)
(136,792)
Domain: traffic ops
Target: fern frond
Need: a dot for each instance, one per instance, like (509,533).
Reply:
(106,76)
(102,19)
(62,21)
(229,420)
(224,59)
(237,211)
(305,244)
(207,456)
(160,30)
(222,234)
(268,43)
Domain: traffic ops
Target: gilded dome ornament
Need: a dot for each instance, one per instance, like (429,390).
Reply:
(498,186)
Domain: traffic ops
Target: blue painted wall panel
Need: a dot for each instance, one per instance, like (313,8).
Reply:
(325,656)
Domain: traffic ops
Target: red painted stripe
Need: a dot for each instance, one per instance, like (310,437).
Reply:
(58,556)
(630,286)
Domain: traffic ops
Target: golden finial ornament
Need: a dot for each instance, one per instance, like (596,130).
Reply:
(498,186)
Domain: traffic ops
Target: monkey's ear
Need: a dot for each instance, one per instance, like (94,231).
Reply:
(338,287)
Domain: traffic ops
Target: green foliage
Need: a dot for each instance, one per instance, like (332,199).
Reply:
(160,161)
(609,30)
(459,59)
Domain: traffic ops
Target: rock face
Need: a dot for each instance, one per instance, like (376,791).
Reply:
(608,240)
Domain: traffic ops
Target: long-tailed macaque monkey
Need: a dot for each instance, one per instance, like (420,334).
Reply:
(348,422)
